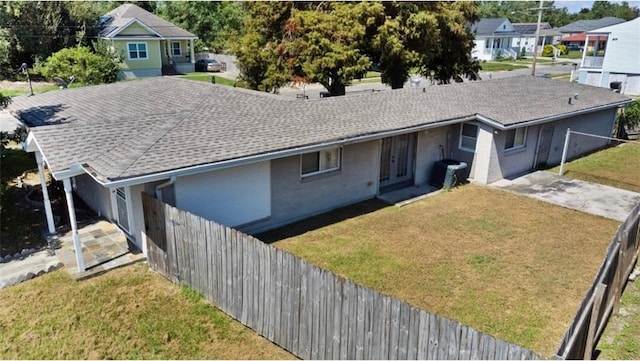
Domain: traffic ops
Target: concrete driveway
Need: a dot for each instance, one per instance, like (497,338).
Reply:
(601,200)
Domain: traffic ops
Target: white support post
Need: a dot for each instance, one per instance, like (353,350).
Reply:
(564,152)
(74,226)
(45,195)
(193,52)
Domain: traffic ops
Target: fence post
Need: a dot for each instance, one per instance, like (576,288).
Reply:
(564,151)
(619,277)
(593,324)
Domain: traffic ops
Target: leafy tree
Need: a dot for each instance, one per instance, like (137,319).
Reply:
(215,23)
(36,29)
(87,66)
(333,43)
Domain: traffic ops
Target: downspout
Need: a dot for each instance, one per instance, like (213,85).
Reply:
(159,187)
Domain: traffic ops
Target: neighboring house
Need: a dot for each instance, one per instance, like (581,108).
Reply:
(150,45)
(617,61)
(527,38)
(575,33)
(494,38)
(256,161)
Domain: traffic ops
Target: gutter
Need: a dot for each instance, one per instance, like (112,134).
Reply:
(500,126)
(266,156)
(163,185)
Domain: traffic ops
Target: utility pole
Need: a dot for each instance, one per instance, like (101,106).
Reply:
(535,46)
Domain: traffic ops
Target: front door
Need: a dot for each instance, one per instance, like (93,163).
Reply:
(396,159)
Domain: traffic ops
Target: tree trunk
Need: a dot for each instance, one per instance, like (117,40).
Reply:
(397,83)
(337,88)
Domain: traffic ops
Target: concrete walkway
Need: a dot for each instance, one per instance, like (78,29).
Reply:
(601,200)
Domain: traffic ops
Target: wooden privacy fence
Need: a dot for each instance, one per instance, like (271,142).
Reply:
(603,297)
(305,309)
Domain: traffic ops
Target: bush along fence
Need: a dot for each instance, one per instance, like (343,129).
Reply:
(309,311)
(603,298)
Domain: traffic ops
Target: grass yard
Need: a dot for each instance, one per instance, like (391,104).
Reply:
(207,77)
(616,166)
(127,313)
(573,54)
(490,66)
(504,264)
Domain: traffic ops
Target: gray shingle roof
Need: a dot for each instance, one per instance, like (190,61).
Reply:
(588,25)
(529,28)
(124,130)
(121,15)
(488,26)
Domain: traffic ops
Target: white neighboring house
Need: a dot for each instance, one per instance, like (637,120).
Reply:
(494,37)
(546,35)
(617,61)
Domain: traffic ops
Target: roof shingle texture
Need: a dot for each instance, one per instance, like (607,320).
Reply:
(136,128)
(588,25)
(124,13)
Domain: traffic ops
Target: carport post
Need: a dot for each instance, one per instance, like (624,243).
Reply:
(74,226)
(45,194)
(564,151)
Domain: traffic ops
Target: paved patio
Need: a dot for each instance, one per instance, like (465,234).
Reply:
(407,195)
(104,247)
(601,200)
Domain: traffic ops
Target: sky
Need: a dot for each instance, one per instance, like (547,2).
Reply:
(575,6)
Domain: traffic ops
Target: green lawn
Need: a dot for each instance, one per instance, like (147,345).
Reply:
(489,259)
(127,313)
(498,66)
(207,77)
(617,166)
(573,54)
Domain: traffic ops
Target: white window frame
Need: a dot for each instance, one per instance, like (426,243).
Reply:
(460,146)
(173,53)
(137,44)
(515,137)
(322,166)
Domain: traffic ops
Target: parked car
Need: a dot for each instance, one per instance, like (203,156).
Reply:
(574,47)
(208,65)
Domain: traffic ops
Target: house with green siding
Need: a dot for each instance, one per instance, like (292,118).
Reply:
(149,45)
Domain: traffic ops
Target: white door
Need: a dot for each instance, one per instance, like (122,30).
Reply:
(396,159)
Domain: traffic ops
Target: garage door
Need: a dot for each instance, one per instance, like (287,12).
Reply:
(232,196)
(593,79)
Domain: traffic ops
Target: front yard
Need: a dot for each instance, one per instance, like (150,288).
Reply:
(507,265)
(128,313)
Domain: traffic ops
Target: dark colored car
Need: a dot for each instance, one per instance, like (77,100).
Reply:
(207,65)
(574,47)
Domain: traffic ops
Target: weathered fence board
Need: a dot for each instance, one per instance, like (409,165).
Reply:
(307,310)
(613,273)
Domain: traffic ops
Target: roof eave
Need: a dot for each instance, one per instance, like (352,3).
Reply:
(265,156)
(552,118)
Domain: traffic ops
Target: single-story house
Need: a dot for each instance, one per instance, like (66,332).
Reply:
(494,38)
(256,161)
(615,62)
(150,45)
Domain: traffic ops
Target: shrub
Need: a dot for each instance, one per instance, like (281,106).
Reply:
(523,52)
(87,66)
(563,49)
(547,50)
